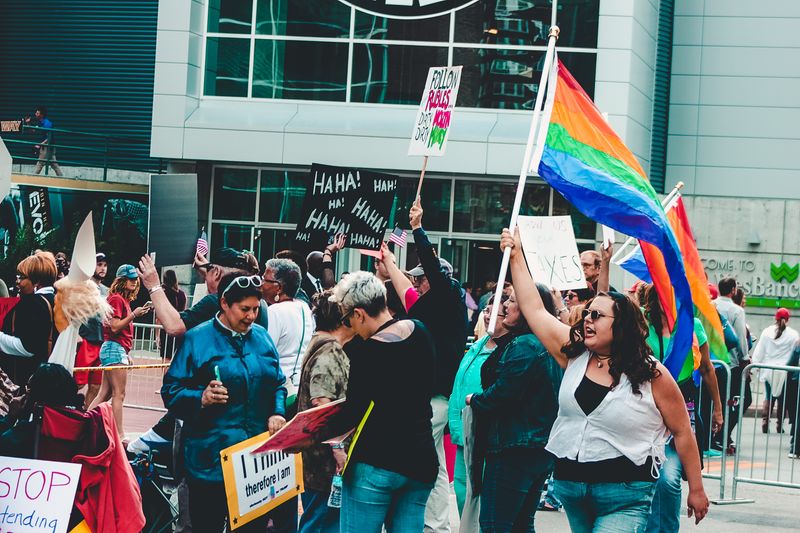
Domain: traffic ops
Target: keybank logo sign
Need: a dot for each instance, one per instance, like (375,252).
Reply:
(784,272)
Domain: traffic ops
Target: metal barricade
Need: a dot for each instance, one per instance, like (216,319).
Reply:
(715,461)
(151,354)
(761,455)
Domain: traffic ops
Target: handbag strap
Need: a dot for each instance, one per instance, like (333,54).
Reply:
(302,338)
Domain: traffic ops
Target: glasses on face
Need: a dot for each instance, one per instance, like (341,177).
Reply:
(21,277)
(419,279)
(208,267)
(346,318)
(571,295)
(488,311)
(244,282)
(594,314)
(267,280)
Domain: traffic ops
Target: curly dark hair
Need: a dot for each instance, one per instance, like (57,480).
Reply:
(630,353)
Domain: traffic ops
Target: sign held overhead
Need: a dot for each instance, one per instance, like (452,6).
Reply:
(551,251)
(352,201)
(432,127)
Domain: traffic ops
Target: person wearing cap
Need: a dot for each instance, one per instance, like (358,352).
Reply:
(441,308)
(118,340)
(225,261)
(100,272)
(775,347)
(91,334)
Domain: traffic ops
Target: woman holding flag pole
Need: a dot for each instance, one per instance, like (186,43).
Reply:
(617,405)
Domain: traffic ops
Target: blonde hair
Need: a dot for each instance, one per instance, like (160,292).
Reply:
(39,268)
(118,287)
(80,301)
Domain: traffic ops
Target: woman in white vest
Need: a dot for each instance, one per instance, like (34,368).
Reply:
(617,406)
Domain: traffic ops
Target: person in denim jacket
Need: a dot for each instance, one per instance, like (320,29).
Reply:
(518,406)
(226,384)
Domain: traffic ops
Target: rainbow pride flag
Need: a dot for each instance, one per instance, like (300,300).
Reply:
(585,160)
(705,310)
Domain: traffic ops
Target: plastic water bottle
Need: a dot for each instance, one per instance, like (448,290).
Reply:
(335,499)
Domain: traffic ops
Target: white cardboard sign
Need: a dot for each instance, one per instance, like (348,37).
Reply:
(436,107)
(36,495)
(256,483)
(551,251)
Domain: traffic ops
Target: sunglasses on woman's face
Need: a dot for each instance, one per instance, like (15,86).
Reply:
(594,314)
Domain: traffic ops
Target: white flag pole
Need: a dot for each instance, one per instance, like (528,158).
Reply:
(536,125)
(665,203)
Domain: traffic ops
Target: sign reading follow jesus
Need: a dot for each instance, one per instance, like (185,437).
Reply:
(36,495)
(551,251)
(435,112)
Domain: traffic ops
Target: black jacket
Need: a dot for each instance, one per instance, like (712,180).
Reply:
(443,312)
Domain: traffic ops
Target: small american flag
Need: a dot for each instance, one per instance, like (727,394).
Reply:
(202,243)
(398,237)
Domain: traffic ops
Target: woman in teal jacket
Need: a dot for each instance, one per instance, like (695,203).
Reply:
(468,381)
(226,384)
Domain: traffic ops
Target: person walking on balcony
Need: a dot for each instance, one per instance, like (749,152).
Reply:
(47,153)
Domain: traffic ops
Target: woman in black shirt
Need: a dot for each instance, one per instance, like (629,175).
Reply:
(28,330)
(392,460)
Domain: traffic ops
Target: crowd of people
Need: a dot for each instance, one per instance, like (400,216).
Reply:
(566,403)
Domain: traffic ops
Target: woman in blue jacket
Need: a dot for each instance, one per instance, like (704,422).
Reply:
(226,385)
(518,405)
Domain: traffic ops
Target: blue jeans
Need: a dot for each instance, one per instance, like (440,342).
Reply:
(317,516)
(373,497)
(666,510)
(512,483)
(606,507)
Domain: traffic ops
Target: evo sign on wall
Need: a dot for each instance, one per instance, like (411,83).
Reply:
(408,8)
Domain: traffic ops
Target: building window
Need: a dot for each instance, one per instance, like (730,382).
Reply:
(281,196)
(235,193)
(326,50)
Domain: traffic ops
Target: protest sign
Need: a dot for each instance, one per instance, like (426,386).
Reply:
(256,483)
(551,251)
(352,201)
(303,429)
(436,106)
(36,495)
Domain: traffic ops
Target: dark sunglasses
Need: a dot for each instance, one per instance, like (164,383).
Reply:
(594,314)
(206,266)
(345,320)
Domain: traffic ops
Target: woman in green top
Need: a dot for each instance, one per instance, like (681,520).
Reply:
(468,381)
(666,508)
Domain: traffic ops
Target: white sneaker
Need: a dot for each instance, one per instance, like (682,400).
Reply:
(793,456)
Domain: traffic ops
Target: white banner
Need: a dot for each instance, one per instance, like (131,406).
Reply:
(36,495)
(551,251)
(436,106)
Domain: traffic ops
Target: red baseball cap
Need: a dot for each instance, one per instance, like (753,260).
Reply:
(713,290)
(782,314)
